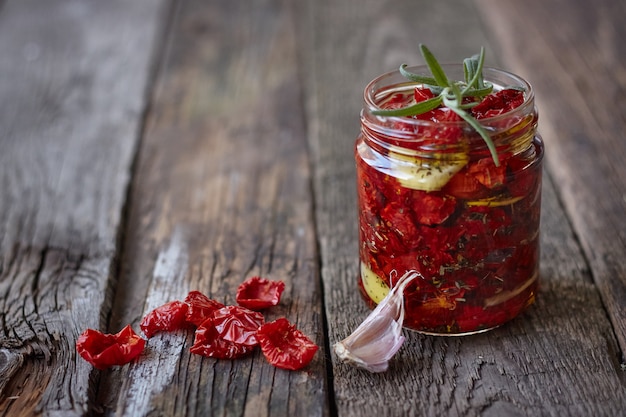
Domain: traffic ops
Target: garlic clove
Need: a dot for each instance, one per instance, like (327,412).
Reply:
(426,174)
(379,337)
(374,286)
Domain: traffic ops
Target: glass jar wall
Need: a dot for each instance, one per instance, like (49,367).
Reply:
(432,199)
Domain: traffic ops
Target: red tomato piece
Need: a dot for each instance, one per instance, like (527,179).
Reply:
(166,318)
(465,185)
(209,342)
(487,173)
(399,218)
(257,293)
(422,94)
(378,237)
(396,101)
(512,98)
(284,346)
(238,324)
(394,192)
(447,132)
(444,133)
(229,333)
(199,307)
(524,179)
(432,209)
(106,350)
(370,197)
(498,103)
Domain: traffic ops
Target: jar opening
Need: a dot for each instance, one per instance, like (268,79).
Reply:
(507,129)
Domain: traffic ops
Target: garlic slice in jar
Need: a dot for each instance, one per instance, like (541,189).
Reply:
(494,201)
(374,285)
(425,174)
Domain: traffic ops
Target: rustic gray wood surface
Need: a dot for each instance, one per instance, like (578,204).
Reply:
(150,148)
(581,88)
(74,76)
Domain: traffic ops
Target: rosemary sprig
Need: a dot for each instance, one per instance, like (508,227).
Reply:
(449,93)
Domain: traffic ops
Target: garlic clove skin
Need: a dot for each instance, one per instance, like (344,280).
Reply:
(372,355)
(379,337)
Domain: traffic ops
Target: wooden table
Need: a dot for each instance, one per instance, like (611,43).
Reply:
(153,147)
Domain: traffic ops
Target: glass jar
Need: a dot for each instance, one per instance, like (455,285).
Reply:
(432,199)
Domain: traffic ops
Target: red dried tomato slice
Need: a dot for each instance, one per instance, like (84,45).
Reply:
(208,342)
(498,103)
(229,333)
(106,350)
(397,217)
(257,293)
(396,101)
(432,209)
(200,307)
(422,94)
(238,324)
(487,173)
(166,318)
(525,178)
(465,185)
(284,346)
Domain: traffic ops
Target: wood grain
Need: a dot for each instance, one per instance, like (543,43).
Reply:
(222,193)
(73,76)
(560,358)
(124,185)
(577,64)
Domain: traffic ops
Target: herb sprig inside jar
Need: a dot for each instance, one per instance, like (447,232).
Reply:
(457,96)
(449,185)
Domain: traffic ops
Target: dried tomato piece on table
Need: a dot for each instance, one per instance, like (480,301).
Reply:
(258,293)
(166,318)
(199,307)
(284,346)
(229,333)
(209,342)
(106,350)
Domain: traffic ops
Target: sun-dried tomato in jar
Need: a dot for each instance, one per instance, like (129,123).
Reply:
(433,197)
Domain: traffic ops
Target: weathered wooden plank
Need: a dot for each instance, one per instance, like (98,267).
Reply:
(73,77)
(578,66)
(560,358)
(222,193)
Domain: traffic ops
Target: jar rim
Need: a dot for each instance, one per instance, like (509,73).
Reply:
(382,85)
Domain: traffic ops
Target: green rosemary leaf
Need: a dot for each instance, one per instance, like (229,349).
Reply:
(469,69)
(434,67)
(469,105)
(457,94)
(479,92)
(474,66)
(480,83)
(481,131)
(435,89)
(450,93)
(416,77)
(418,108)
